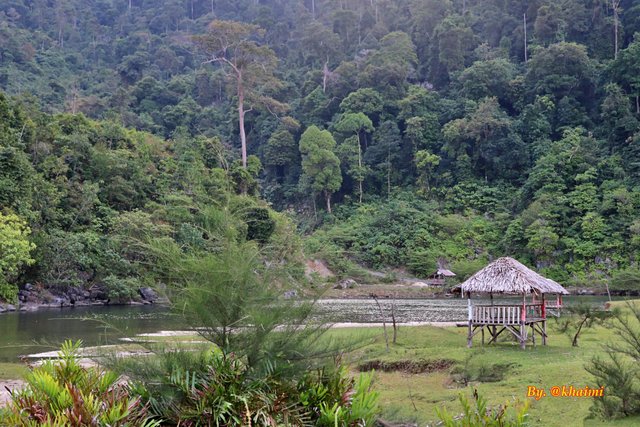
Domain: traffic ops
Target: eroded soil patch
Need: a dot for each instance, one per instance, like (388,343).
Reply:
(408,366)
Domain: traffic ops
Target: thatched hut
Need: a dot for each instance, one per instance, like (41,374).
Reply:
(510,277)
(440,276)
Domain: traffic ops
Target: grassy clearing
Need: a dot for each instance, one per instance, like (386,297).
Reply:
(414,397)
(12,371)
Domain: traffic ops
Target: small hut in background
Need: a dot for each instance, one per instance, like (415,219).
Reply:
(440,276)
(506,276)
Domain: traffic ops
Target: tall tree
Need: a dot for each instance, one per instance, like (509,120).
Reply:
(355,125)
(320,165)
(248,65)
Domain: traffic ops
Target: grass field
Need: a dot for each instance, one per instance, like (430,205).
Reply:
(500,372)
(414,397)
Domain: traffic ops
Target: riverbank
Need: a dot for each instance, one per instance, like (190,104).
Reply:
(31,298)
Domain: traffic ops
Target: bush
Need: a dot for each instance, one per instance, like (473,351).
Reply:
(8,292)
(15,249)
(63,393)
(210,388)
(334,399)
(619,370)
(121,289)
(626,280)
(480,415)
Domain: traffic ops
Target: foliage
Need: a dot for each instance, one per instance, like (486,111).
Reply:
(532,125)
(581,316)
(618,369)
(251,319)
(191,388)
(15,249)
(512,415)
(63,393)
(405,232)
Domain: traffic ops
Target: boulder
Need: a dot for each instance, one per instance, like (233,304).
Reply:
(346,284)
(290,294)
(148,294)
(10,307)
(420,284)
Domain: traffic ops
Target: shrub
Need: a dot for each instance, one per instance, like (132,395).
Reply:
(626,280)
(210,388)
(618,370)
(63,393)
(508,415)
(15,249)
(335,399)
(121,289)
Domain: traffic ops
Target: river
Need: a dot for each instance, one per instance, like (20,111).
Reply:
(43,330)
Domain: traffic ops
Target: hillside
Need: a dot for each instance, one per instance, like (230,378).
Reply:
(402,133)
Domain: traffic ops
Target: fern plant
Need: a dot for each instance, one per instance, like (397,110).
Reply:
(479,414)
(62,392)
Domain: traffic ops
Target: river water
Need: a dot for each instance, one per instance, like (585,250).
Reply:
(44,330)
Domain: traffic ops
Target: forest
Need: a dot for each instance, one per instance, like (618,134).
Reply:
(385,133)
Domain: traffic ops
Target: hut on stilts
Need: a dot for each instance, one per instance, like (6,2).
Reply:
(506,276)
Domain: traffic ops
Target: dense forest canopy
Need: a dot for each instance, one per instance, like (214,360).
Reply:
(438,130)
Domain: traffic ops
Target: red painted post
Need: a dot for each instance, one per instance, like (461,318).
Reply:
(544,308)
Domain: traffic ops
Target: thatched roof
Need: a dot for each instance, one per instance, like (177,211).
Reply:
(508,276)
(444,272)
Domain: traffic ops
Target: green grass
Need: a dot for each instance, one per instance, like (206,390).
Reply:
(12,371)
(414,397)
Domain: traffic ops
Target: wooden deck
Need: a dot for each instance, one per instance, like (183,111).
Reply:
(513,318)
(506,314)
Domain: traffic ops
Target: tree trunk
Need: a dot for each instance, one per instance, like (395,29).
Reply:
(575,337)
(360,179)
(615,4)
(325,76)
(313,9)
(525,37)
(241,112)
(328,197)
(637,104)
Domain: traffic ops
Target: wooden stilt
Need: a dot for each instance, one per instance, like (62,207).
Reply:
(470,336)
(523,326)
(533,334)
(544,332)
(482,335)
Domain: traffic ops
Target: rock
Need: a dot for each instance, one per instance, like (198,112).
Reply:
(10,307)
(29,287)
(135,303)
(346,284)
(420,284)
(148,294)
(23,308)
(2,309)
(290,294)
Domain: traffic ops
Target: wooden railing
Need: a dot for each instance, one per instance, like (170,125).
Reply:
(506,314)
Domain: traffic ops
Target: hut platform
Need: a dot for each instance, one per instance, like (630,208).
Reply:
(523,320)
